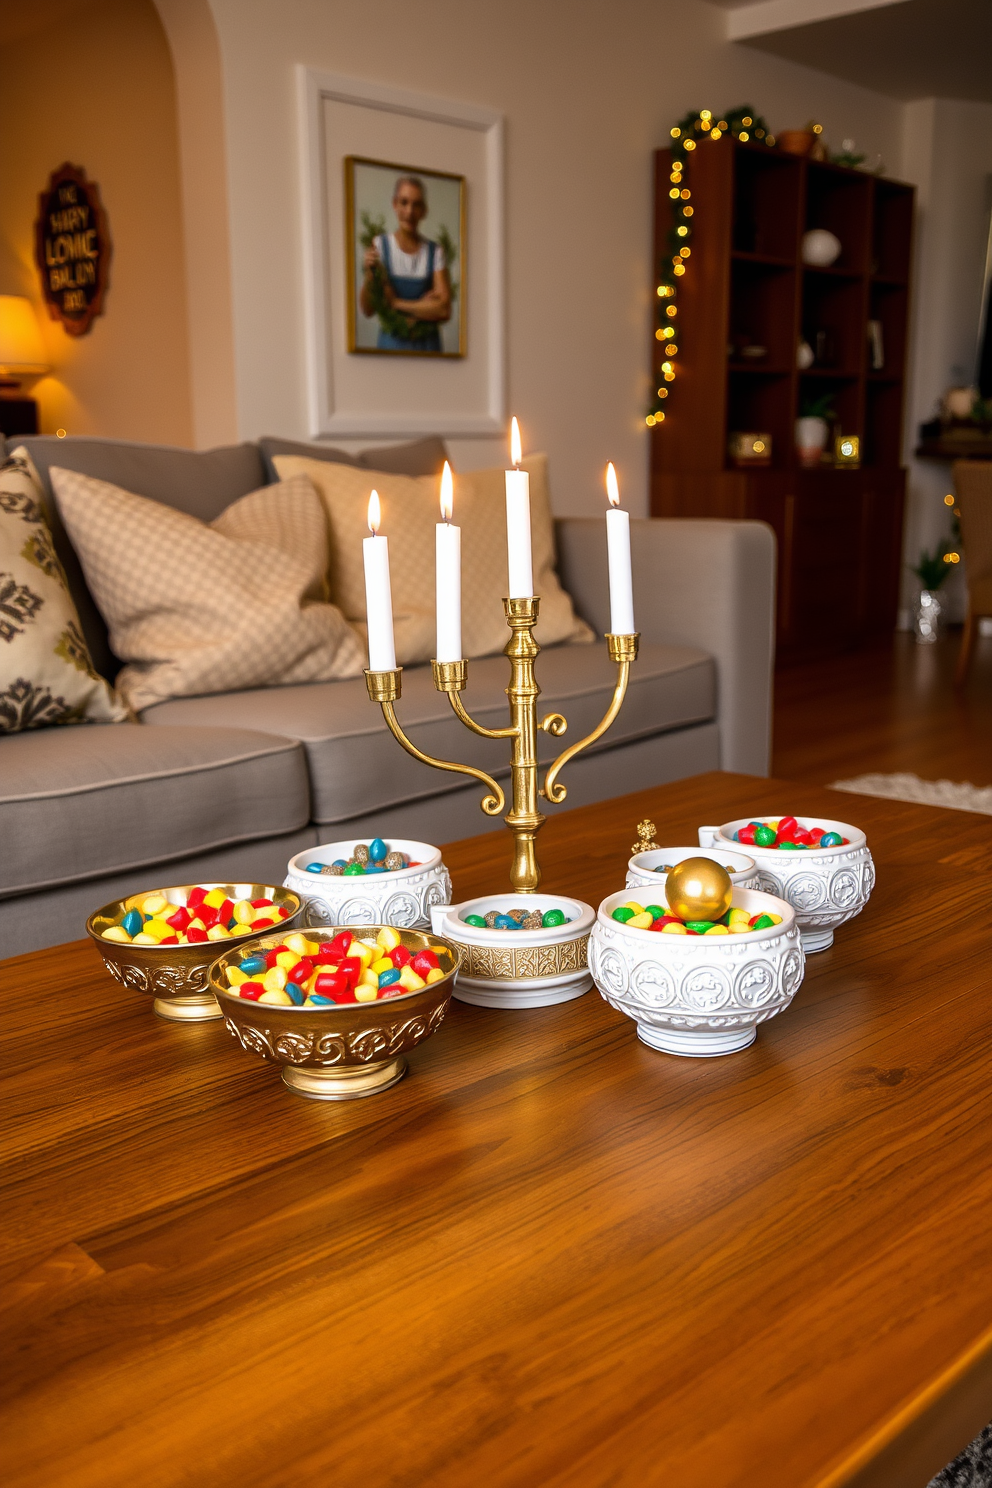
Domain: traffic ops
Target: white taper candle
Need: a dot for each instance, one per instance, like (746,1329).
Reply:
(519,561)
(378,597)
(618,548)
(448,576)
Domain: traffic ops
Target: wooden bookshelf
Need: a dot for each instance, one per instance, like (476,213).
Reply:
(839,530)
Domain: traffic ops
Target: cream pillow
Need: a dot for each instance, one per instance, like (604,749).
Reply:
(193,608)
(409,515)
(46,675)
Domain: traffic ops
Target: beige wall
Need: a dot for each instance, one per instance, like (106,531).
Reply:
(588,90)
(95,86)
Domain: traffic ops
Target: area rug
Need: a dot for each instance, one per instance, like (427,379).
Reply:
(945,793)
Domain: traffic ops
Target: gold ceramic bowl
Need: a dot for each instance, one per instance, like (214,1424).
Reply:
(177,976)
(351,1049)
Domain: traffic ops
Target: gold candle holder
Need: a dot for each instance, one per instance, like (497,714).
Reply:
(523,819)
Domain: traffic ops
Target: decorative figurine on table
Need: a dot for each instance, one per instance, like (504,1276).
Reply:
(645,838)
(384,677)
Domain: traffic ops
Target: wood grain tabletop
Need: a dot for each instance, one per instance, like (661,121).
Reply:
(550,1255)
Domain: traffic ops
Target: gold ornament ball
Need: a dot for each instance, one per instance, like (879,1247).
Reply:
(699,889)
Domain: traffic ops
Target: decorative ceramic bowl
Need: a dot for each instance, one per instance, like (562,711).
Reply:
(351,1049)
(643,868)
(177,976)
(826,886)
(519,968)
(698,995)
(403,898)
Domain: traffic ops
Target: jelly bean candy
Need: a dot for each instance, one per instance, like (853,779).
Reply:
(196,897)
(295,993)
(788,846)
(437,975)
(387,978)
(377,850)
(272,956)
(252,964)
(762,922)
(301,972)
(277,998)
(655,911)
(317,1000)
(339,946)
(717,930)
(132,922)
(352,968)
(353,868)
(340,863)
(315,867)
(764,836)
(623,914)
(366,993)
(332,985)
(274,979)
(475,920)
(553,917)
(831,839)
(746,835)
(700,926)
(180,920)
(642,921)
(251,990)
(287,959)
(195,936)
(424,961)
(410,980)
(505,922)
(675,927)
(787,826)
(388,938)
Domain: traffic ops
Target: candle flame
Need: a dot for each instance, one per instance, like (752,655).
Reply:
(612,489)
(447,493)
(375,513)
(515,450)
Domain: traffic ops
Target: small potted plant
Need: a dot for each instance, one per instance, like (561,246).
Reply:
(813,430)
(931,571)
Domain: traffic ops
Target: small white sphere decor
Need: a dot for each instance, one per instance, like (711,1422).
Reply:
(403,897)
(503,968)
(820,248)
(698,995)
(826,886)
(645,869)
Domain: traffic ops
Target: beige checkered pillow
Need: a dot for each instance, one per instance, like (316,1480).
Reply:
(195,609)
(409,515)
(46,675)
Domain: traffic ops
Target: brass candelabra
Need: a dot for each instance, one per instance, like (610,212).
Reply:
(523,819)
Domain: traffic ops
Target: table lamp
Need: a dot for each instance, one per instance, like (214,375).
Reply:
(22,354)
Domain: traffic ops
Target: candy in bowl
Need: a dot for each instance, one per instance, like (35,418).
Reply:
(176,974)
(512,964)
(334,893)
(649,869)
(826,885)
(334,1049)
(698,994)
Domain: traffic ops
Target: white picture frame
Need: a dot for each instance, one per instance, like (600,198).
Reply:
(354,396)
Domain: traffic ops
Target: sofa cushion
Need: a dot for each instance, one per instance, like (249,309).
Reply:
(417,457)
(80,803)
(356,766)
(199,482)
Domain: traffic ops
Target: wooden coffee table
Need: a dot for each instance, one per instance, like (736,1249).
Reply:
(550,1256)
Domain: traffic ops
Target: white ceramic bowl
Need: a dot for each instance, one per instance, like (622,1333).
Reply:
(826,886)
(403,898)
(519,968)
(698,995)
(642,870)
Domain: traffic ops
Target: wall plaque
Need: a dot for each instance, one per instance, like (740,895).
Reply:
(72,248)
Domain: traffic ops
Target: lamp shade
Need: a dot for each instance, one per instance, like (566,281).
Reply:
(21,349)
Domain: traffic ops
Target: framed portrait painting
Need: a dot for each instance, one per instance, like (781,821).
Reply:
(405,246)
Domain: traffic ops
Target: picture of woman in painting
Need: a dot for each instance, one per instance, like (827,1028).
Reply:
(407,274)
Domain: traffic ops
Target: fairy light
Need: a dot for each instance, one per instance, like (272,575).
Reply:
(742,124)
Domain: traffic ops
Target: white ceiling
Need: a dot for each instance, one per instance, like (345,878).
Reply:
(904,48)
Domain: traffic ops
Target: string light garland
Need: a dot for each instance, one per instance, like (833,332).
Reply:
(743,124)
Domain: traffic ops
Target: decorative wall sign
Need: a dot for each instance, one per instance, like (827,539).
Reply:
(72,248)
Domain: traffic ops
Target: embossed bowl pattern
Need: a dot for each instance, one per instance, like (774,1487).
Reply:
(825,886)
(177,977)
(403,899)
(519,968)
(642,870)
(345,1051)
(698,995)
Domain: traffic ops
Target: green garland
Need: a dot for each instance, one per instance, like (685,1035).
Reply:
(394,322)
(744,124)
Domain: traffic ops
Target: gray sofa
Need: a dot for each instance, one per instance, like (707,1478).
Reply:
(231,785)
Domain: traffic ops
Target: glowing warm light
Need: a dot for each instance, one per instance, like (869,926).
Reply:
(666,367)
(375,513)
(683,232)
(672,311)
(447,493)
(516,454)
(679,269)
(948,500)
(684,252)
(687,211)
(612,488)
(743,136)
(650,421)
(685,193)
(715,135)
(659,335)
(746,119)
(690,144)
(676,133)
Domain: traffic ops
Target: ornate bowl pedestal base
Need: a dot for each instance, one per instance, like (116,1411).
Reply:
(512,995)
(816,940)
(696,1043)
(202,1009)
(344,1084)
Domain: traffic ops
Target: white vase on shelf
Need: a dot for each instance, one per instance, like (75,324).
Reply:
(926,617)
(811,440)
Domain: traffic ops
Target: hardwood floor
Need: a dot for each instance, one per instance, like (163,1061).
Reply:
(891,708)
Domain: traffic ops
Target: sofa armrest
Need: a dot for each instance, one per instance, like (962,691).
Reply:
(703,583)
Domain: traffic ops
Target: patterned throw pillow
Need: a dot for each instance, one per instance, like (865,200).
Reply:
(46,675)
(409,516)
(195,609)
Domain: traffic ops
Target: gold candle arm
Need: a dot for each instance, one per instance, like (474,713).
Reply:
(623,650)
(384,688)
(451,677)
